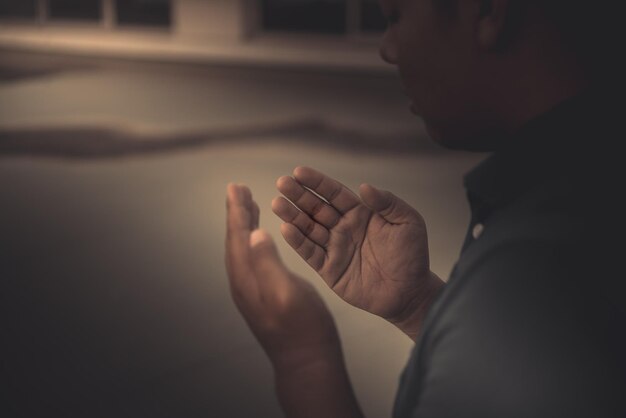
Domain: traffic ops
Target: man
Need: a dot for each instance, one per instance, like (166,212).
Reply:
(531,321)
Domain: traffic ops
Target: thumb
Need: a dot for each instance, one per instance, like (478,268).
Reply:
(264,255)
(393,209)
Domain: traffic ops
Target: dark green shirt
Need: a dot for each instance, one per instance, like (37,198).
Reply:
(531,321)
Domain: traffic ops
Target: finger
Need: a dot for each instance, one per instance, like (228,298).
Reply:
(238,230)
(393,209)
(335,193)
(256,212)
(309,203)
(239,214)
(245,192)
(290,214)
(312,253)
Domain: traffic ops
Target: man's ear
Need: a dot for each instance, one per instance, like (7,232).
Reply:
(494,23)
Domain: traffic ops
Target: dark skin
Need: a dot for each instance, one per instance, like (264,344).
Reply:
(288,317)
(371,248)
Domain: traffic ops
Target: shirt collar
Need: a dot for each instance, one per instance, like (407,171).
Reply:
(551,144)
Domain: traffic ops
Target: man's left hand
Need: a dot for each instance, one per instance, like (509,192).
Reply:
(284,311)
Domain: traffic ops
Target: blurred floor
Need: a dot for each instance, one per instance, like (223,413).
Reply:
(113,294)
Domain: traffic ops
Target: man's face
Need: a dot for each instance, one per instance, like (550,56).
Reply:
(436,59)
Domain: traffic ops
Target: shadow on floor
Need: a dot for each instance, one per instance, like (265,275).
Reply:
(16,66)
(101,142)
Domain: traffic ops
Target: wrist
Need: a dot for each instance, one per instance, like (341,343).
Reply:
(304,359)
(318,387)
(412,317)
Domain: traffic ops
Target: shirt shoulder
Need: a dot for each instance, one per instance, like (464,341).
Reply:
(519,336)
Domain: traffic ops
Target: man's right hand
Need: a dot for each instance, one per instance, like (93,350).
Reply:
(372,251)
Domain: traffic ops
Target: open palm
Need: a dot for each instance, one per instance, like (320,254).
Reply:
(372,251)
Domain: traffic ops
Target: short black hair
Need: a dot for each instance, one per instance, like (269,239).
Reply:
(447,7)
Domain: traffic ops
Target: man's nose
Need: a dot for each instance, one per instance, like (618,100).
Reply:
(388,50)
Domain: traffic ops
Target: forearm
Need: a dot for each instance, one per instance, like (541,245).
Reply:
(411,321)
(318,388)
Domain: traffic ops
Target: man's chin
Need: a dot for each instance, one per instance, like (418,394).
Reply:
(462,138)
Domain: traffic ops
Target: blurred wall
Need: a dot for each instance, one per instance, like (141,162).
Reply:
(216,19)
(201,31)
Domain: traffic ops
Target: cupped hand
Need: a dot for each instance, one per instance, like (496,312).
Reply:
(284,311)
(371,250)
